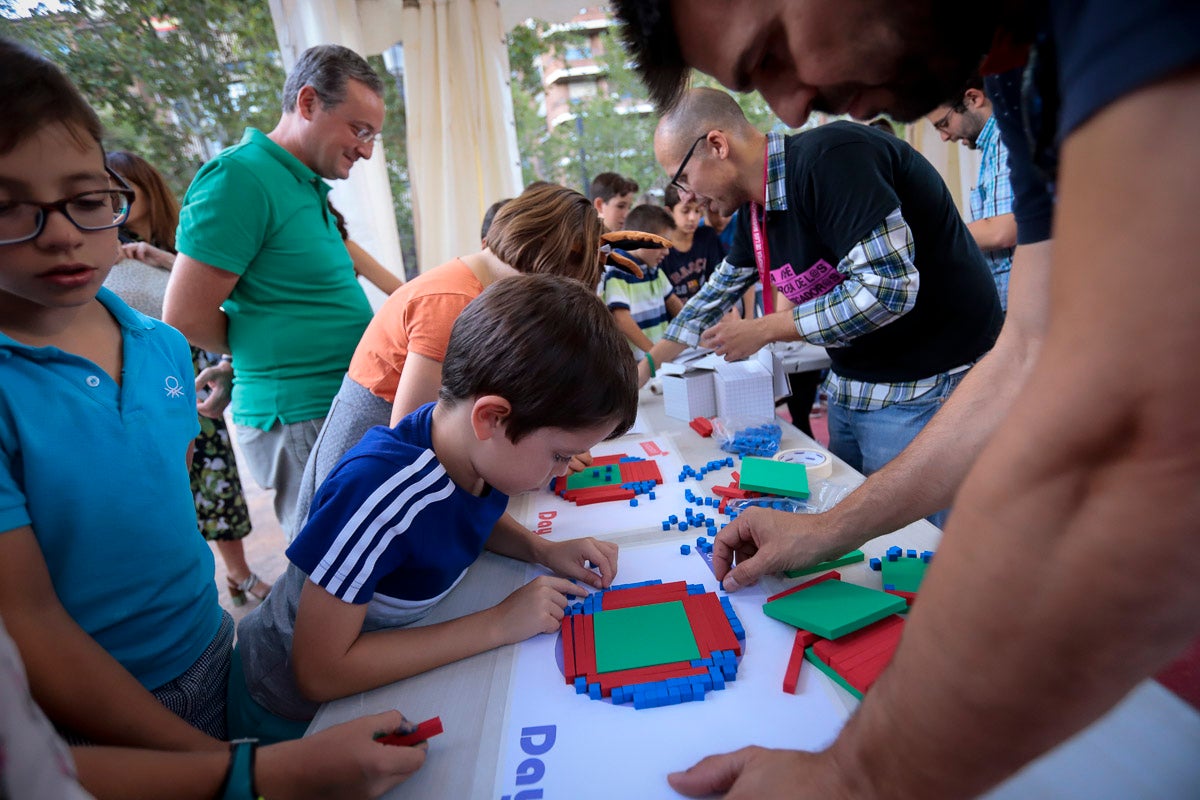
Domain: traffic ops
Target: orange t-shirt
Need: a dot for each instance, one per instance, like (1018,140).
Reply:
(416,318)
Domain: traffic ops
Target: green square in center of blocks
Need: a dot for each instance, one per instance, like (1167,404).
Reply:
(643,636)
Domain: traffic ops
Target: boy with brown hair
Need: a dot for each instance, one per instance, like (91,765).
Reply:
(643,306)
(612,196)
(535,372)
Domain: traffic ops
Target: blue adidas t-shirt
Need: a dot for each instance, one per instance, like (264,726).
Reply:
(389,520)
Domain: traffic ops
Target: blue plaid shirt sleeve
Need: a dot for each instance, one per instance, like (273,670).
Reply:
(880,287)
(705,309)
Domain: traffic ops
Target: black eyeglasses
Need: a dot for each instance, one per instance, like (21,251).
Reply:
(22,220)
(944,121)
(683,165)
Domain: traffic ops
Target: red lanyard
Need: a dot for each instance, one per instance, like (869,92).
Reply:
(762,252)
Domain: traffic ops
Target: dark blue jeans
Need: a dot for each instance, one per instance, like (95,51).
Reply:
(866,440)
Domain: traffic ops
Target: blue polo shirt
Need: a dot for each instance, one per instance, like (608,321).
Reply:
(98,470)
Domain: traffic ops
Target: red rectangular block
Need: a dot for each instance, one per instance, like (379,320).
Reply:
(426,730)
(831,575)
(568,646)
(792,676)
(599,494)
(644,595)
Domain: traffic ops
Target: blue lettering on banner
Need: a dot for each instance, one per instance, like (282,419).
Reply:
(536,741)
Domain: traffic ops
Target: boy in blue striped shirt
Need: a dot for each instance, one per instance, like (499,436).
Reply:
(535,371)
(643,306)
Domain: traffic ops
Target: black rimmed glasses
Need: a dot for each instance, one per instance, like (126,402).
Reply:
(941,124)
(22,220)
(683,165)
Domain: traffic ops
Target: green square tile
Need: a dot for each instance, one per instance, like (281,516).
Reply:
(585,480)
(781,478)
(643,636)
(850,558)
(834,608)
(904,573)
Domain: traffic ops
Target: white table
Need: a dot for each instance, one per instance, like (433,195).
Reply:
(1147,747)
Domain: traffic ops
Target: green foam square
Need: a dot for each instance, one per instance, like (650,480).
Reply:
(781,478)
(850,558)
(905,574)
(834,608)
(643,636)
(585,480)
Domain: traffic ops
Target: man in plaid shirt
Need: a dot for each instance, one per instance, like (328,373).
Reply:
(993,224)
(866,250)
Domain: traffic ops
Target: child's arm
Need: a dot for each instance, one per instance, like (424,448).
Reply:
(511,538)
(78,684)
(333,658)
(630,328)
(674,306)
(366,266)
(419,383)
(343,761)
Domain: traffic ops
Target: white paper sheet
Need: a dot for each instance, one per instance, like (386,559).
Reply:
(581,748)
(556,518)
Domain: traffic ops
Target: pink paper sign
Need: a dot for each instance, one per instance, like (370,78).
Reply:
(819,279)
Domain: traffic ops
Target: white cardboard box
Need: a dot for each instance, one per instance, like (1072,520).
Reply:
(689,394)
(745,391)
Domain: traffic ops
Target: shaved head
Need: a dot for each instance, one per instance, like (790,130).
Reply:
(699,111)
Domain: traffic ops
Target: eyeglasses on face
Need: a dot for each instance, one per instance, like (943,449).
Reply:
(362,131)
(23,220)
(944,122)
(683,165)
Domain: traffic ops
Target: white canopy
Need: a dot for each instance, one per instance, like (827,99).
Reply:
(462,147)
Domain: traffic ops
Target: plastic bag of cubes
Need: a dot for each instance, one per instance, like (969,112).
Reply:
(737,436)
(824,496)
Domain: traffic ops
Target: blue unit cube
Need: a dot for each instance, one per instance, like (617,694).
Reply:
(685,549)
(652,495)
(581,685)
(633,503)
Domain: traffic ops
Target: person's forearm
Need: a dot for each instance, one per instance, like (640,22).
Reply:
(1068,569)
(627,326)
(994,233)
(925,476)
(511,538)
(1064,534)
(377,658)
(82,688)
(366,266)
(132,774)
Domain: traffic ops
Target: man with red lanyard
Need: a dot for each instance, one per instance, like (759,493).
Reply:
(861,239)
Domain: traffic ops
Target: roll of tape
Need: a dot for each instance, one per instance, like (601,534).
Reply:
(817,463)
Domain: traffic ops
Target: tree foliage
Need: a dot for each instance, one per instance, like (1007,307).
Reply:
(612,132)
(174,82)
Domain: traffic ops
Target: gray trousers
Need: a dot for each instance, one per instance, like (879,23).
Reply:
(354,412)
(276,459)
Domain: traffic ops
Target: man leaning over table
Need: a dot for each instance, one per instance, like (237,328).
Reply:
(863,241)
(1076,517)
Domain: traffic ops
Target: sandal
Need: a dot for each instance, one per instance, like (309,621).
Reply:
(238,591)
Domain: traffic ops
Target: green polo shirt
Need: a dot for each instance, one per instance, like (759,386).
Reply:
(297,311)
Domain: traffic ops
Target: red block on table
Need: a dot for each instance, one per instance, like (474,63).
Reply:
(426,730)
(702,426)
(860,657)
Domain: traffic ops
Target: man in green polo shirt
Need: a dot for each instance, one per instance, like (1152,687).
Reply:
(262,273)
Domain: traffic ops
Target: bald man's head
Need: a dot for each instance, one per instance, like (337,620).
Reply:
(697,112)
